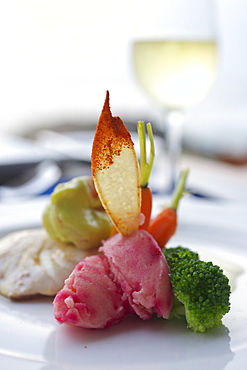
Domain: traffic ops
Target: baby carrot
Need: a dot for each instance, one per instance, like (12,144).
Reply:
(146,166)
(146,206)
(164,225)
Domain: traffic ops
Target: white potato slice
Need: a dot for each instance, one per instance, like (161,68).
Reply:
(31,263)
(115,171)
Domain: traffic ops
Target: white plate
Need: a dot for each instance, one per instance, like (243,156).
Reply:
(30,339)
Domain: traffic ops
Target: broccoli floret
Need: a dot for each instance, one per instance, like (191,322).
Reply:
(200,286)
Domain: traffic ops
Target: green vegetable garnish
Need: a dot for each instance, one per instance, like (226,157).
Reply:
(200,287)
(146,165)
(179,189)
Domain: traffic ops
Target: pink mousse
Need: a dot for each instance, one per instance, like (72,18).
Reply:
(130,276)
(141,270)
(90,298)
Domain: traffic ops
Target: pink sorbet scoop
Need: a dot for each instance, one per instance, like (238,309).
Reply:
(140,268)
(90,298)
(131,276)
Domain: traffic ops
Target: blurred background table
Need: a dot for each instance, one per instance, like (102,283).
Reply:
(33,167)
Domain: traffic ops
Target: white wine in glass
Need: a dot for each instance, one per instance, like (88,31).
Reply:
(176,68)
(176,73)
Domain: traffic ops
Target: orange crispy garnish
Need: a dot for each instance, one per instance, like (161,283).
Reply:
(115,171)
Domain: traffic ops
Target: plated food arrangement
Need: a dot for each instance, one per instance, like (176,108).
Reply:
(102,253)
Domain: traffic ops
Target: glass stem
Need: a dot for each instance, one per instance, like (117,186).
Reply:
(173,134)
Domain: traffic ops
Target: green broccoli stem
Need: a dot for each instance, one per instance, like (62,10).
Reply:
(179,189)
(146,165)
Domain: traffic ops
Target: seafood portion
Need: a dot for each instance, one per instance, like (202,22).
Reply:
(130,277)
(33,264)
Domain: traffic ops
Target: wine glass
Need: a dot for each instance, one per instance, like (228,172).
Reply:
(174,53)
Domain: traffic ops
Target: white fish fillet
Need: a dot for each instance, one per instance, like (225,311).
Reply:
(31,263)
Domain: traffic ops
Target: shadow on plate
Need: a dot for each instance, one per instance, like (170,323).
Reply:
(138,344)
